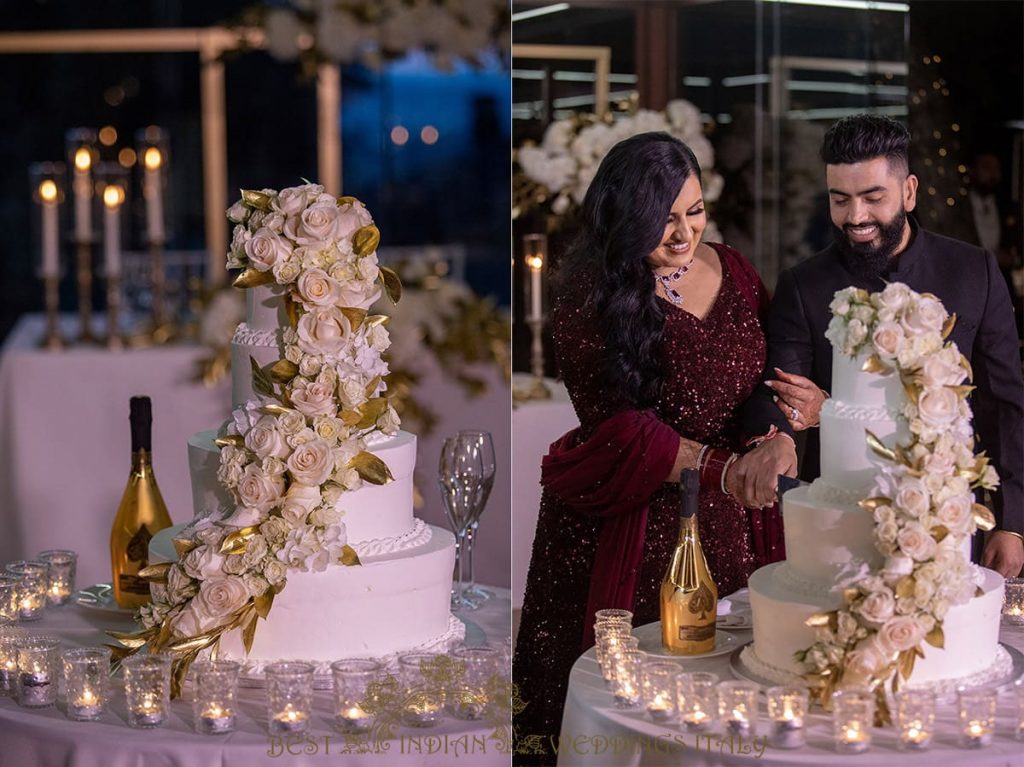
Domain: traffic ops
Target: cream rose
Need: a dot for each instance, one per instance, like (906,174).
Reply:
(329,429)
(359,294)
(298,502)
(309,365)
(912,496)
(352,218)
(259,491)
(323,331)
(274,529)
(265,440)
(290,201)
(192,621)
(317,223)
(351,392)
(238,212)
(940,463)
(955,513)
(317,289)
(312,462)
(938,406)
(903,632)
(887,338)
(219,597)
(312,398)
(203,562)
(877,607)
(916,542)
(864,661)
(265,248)
(940,370)
(291,422)
(894,297)
(275,571)
(926,315)
(286,271)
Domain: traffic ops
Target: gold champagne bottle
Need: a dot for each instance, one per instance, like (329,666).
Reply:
(689,596)
(141,514)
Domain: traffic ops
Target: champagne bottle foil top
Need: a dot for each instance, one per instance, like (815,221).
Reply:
(141,419)
(690,482)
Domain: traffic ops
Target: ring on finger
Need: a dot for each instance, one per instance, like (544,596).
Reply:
(794,414)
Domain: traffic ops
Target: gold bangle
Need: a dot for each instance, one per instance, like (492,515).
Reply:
(1015,535)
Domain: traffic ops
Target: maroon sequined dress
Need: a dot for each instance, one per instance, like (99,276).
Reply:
(710,366)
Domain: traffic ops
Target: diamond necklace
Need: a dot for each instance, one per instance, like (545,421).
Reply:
(665,279)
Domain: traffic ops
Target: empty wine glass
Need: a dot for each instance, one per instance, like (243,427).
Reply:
(464,481)
(470,590)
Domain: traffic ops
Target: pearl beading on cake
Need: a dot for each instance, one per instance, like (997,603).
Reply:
(825,493)
(847,412)
(246,336)
(418,536)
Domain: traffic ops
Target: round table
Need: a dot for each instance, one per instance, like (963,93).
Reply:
(44,737)
(597,734)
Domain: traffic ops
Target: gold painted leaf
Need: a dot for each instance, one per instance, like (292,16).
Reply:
(365,240)
(230,440)
(961,390)
(118,653)
(283,371)
(371,468)
(905,587)
(162,637)
(350,417)
(263,603)
(392,284)
(374,320)
(820,619)
(131,641)
(874,364)
(179,670)
(947,326)
(155,573)
(939,533)
(878,447)
(913,391)
(252,278)
(347,200)
(183,546)
(192,643)
(261,383)
(979,592)
(291,309)
(935,637)
(906,664)
(349,556)
(850,596)
(371,387)
(249,634)
(254,199)
(967,366)
(983,517)
(870,504)
(235,542)
(273,409)
(355,317)
(370,411)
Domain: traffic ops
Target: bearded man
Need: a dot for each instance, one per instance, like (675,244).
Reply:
(875,241)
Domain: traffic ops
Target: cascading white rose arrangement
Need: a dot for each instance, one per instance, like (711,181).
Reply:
(922,498)
(289,453)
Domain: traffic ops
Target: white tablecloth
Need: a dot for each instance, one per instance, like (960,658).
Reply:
(45,738)
(596,734)
(65,447)
(535,425)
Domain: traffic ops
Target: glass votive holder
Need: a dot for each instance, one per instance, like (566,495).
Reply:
(10,596)
(915,718)
(352,680)
(697,699)
(787,709)
(289,697)
(468,698)
(607,636)
(86,682)
(1013,601)
(32,592)
(147,689)
(616,648)
(737,706)
(658,687)
(9,637)
(61,583)
(977,714)
(613,614)
(424,698)
(1018,695)
(215,691)
(38,669)
(853,713)
(626,676)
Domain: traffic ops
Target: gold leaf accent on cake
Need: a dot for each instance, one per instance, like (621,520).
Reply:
(183,546)
(935,637)
(878,447)
(983,517)
(870,504)
(261,383)
(155,573)
(350,417)
(371,468)
(118,652)
(249,633)
(874,364)
(912,390)
(939,533)
(821,619)
(254,199)
(347,200)
(906,663)
(906,586)
(349,557)
(365,240)
(291,309)
(372,386)
(392,284)
(230,440)
(850,595)
(263,603)
(355,317)
(967,366)
(199,642)
(132,640)
(235,542)
(962,390)
(947,326)
(283,371)
(252,278)
(273,409)
(377,319)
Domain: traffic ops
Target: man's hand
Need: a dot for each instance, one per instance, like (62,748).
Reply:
(798,398)
(1004,553)
(753,479)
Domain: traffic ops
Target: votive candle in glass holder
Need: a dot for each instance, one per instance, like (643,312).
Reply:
(616,648)
(915,718)
(424,698)
(853,713)
(35,578)
(626,670)
(38,669)
(787,708)
(9,636)
(1013,601)
(61,583)
(612,614)
(607,637)
(215,691)
(1018,694)
(86,682)
(468,698)
(352,680)
(697,699)
(658,687)
(977,714)
(147,689)
(737,706)
(289,697)
(10,596)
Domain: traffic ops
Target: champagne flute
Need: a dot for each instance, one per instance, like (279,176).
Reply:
(460,477)
(486,447)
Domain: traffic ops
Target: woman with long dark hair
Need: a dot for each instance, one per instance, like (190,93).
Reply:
(658,339)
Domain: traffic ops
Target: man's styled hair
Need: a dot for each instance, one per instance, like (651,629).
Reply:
(858,138)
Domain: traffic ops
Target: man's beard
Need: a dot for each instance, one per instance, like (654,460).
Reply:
(864,259)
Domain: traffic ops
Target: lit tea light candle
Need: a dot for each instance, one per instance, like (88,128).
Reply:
(737,722)
(853,739)
(216,720)
(696,720)
(354,719)
(660,708)
(977,735)
(149,712)
(34,687)
(31,607)
(422,713)
(737,706)
(915,738)
(787,707)
(290,720)
(86,706)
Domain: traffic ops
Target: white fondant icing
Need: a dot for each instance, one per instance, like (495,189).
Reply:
(264,308)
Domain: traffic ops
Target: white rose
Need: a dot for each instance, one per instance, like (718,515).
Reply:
(192,621)
(379,338)
(885,514)
(912,496)
(940,463)
(351,218)
(286,271)
(265,440)
(330,542)
(291,422)
(894,297)
(274,571)
(323,331)
(290,201)
(896,567)
(938,370)
(887,338)
(926,315)
(367,269)
(313,398)
(312,462)
(203,562)
(275,529)
(298,502)
(309,365)
(258,490)
(237,213)
(916,542)
(359,294)
(351,392)
(856,332)
(325,516)
(317,289)
(878,606)
(864,661)
(220,597)
(179,586)
(903,632)
(265,248)
(255,583)
(955,513)
(938,406)
(887,531)
(299,546)
(301,437)
(317,223)
(329,429)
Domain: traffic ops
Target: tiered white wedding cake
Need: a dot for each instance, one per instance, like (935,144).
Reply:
(877,546)
(304,545)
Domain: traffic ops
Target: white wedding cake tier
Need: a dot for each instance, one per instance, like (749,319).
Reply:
(832,547)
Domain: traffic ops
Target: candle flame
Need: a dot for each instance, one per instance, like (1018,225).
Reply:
(536,263)
(113,195)
(152,158)
(48,190)
(83,159)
